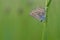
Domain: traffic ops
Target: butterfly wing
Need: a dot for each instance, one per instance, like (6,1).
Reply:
(39,14)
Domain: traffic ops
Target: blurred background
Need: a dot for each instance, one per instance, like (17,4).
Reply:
(17,24)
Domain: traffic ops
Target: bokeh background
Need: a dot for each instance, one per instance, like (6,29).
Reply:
(17,24)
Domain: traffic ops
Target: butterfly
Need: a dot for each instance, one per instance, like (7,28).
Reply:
(39,14)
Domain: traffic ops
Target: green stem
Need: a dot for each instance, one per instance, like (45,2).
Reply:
(45,25)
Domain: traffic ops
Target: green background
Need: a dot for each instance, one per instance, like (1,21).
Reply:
(17,24)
